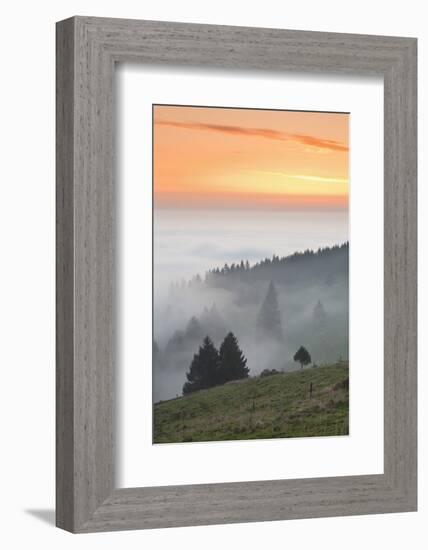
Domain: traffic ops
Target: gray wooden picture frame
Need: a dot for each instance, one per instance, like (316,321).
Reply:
(87,50)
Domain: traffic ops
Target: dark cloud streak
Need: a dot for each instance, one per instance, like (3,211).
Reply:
(310,141)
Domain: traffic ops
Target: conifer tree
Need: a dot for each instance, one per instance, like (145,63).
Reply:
(319,315)
(194,329)
(233,364)
(156,356)
(204,369)
(269,319)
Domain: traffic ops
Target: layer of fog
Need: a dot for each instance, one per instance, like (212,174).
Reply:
(186,244)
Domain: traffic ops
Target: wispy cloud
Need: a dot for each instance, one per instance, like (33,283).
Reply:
(305,177)
(302,139)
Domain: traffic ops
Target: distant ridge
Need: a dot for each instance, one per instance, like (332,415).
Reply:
(326,264)
(336,256)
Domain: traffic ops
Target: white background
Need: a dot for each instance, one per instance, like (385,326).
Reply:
(27,274)
(362,451)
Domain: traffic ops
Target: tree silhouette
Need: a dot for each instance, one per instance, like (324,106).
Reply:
(319,314)
(302,356)
(269,319)
(156,355)
(232,360)
(204,369)
(194,329)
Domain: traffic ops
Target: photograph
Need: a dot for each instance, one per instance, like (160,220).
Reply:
(250,274)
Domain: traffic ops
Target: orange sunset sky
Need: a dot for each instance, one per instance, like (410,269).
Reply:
(246,158)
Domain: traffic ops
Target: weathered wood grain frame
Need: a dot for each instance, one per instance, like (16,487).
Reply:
(87,50)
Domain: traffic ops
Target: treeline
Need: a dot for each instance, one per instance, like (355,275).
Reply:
(324,263)
(275,260)
(332,260)
(211,367)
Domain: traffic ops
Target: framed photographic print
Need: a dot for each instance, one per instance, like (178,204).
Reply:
(236,274)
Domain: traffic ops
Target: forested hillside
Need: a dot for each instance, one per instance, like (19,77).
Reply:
(273,307)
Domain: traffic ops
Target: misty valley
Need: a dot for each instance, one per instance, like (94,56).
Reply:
(272,309)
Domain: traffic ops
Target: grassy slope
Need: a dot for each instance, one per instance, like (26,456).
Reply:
(274,406)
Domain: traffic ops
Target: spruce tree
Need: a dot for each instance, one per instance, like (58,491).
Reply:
(156,356)
(194,329)
(269,319)
(204,369)
(319,314)
(232,360)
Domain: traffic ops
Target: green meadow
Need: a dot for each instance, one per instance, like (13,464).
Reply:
(312,402)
